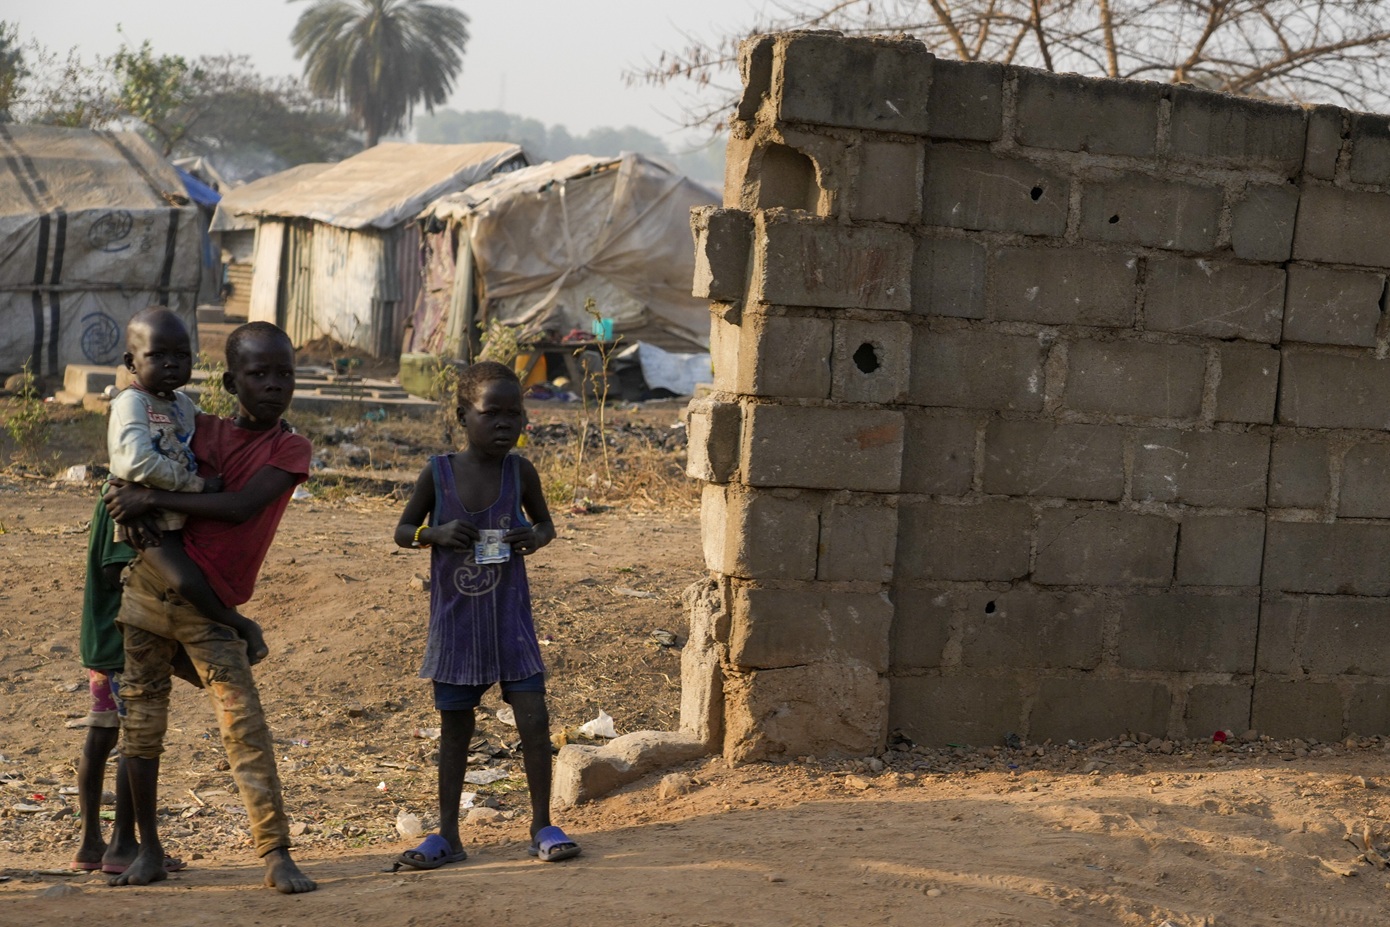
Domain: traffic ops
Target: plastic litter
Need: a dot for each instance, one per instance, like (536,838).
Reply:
(408,825)
(602,726)
(426,733)
(485,776)
(506,715)
(300,494)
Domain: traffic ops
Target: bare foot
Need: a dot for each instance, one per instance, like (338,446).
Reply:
(284,876)
(145,870)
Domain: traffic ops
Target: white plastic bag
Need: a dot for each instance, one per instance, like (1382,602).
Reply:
(602,726)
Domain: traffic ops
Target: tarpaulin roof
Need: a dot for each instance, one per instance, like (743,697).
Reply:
(198,191)
(380,187)
(239,207)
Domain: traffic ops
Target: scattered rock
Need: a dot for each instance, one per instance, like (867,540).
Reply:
(857,782)
(934,893)
(482,816)
(674,784)
(61,890)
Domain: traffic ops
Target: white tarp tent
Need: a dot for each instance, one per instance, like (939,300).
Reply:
(531,247)
(94,226)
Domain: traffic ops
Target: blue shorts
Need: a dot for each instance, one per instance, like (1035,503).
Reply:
(450,697)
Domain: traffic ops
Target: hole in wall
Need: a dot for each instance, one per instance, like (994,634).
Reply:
(1114,219)
(1036,193)
(989,608)
(866,358)
(787,178)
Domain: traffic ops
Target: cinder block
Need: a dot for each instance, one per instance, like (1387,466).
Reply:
(778,166)
(977,370)
(1262,222)
(817,709)
(823,448)
(784,357)
(1118,378)
(760,534)
(1074,113)
(712,436)
(1345,636)
(1325,127)
(755,68)
(938,454)
(948,278)
(871,361)
(1217,707)
(1328,306)
(1057,461)
(702,681)
(1320,390)
(584,773)
(1030,627)
(1142,210)
(725,342)
(1220,550)
(922,617)
(1297,709)
(1089,708)
(968,188)
(877,84)
(959,709)
(801,262)
(988,541)
(858,541)
(888,184)
(1365,482)
(1249,382)
(777,628)
(1184,633)
(1337,226)
(1241,132)
(1299,474)
(1216,468)
(723,240)
(1104,547)
(1283,624)
(1342,558)
(1368,709)
(1219,300)
(967,100)
(1064,286)
(1370,149)
(81,379)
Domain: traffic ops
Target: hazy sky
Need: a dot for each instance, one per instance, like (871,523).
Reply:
(559,61)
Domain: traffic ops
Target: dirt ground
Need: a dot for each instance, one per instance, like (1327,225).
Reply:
(1125,832)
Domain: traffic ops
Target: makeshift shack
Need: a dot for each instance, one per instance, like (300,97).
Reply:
(94,226)
(337,250)
(532,247)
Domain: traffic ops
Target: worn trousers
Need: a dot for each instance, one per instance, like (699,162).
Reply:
(154,621)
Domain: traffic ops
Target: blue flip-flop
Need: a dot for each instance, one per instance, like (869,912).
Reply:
(434,851)
(550,845)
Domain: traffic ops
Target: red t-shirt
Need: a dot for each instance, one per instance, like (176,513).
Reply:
(230,555)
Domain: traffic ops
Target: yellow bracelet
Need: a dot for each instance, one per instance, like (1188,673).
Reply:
(415,542)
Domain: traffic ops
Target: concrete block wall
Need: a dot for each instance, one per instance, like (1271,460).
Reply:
(1042,405)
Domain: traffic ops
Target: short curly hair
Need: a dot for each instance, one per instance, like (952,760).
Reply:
(240,334)
(476,376)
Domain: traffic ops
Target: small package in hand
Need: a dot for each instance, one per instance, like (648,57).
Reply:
(490,548)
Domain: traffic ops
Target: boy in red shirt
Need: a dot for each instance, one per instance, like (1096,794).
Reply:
(227,535)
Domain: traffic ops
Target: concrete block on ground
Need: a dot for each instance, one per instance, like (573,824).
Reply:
(1305,709)
(1184,633)
(584,773)
(1249,382)
(1329,306)
(702,679)
(1074,113)
(823,448)
(803,262)
(1220,550)
(888,183)
(948,278)
(1262,222)
(858,541)
(938,453)
(1212,468)
(967,100)
(977,370)
(1217,707)
(1097,709)
(786,357)
(1325,127)
(1368,709)
(1240,132)
(870,361)
(81,379)
(1142,210)
(1336,226)
(1341,558)
(1214,299)
(957,709)
(988,541)
(779,628)
(760,534)
(1324,390)
(1300,475)
(1051,460)
(922,619)
(723,244)
(1365,482)
(1064,286)
(816,709)
(879,84)
(1103,547)
(967,188)
(1370,149)
(1030,627)
(1118,378)
(712,437)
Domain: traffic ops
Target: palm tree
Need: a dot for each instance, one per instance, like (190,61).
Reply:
(381,57)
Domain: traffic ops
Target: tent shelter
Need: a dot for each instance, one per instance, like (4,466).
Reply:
(337,250)
(94,226)
(530,248)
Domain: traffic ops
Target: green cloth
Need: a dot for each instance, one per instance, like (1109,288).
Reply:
(101,647)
